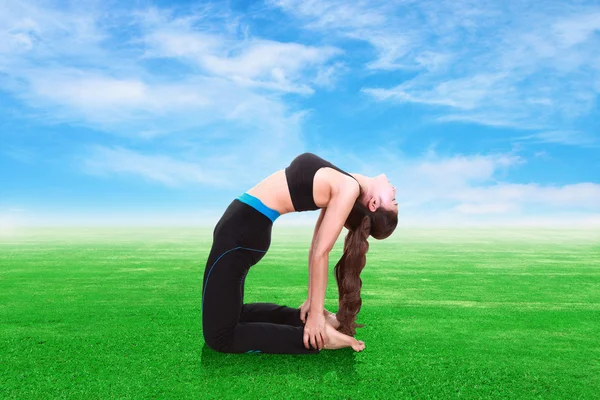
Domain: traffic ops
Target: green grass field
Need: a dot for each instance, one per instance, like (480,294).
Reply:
(115,313)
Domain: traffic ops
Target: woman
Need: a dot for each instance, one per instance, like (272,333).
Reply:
(365,206)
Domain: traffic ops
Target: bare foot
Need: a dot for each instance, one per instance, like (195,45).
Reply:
(336,340)
(332,319)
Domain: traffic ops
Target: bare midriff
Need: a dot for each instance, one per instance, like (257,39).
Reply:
(274,193)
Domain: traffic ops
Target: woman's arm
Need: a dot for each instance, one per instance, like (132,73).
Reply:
(312,246)
(338,209)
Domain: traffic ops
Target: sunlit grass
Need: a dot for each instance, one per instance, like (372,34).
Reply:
(107,313)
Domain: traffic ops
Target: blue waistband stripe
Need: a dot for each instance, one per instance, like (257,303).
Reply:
(257,204)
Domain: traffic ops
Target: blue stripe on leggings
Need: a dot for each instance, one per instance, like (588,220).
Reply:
(211,268)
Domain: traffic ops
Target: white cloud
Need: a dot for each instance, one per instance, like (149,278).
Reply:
(135,108)
(336,14)
(160,168)
(576,29)
(223,94)
(579,196)
(464,94)
(47,33)
(529,66)
(461,170)
(259,63)
(70,68)
(432,190)
(489,208)
(361,20)
(447,187)
(470,189)
(254,62)
(102,97)
(567,137)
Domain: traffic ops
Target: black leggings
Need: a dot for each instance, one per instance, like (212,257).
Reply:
(240,239)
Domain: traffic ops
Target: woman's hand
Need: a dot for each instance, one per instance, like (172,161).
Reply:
(314,330)
(304,309)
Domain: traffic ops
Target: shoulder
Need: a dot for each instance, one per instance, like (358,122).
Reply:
(345,182)
(351,186)
(345,187)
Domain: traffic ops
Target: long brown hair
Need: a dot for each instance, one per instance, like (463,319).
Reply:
(361,223)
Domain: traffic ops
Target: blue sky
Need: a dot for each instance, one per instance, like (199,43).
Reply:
(154,113)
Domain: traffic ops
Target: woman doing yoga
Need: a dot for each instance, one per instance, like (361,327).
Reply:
(365,206)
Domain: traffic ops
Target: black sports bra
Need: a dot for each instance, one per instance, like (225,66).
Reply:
(300,175)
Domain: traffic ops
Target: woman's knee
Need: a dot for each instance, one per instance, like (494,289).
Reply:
(216,342)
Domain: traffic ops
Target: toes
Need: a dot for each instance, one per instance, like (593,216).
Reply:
(359,345)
